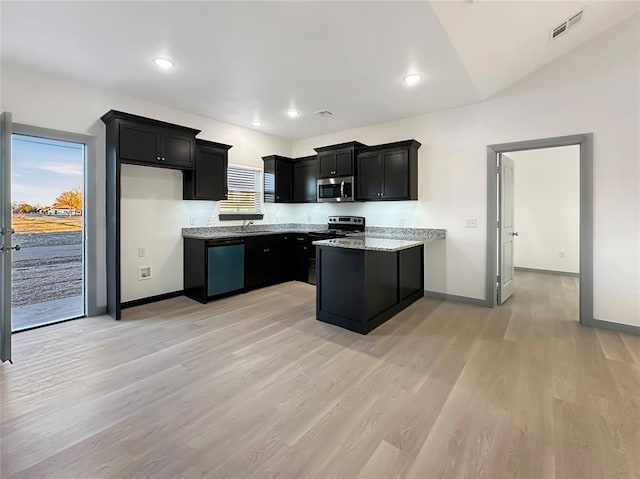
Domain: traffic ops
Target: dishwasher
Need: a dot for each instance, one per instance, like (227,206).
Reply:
(225,266)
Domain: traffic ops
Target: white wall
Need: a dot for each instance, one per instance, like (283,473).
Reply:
(547,208)
(593,89)
(153,212)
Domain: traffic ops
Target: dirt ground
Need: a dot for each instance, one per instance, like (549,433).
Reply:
(46,224)
(47,267)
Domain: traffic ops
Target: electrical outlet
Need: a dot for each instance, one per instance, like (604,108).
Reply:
(142,252)
(211,220)
(192,220)
(561,253)
(144,272)
(471,223)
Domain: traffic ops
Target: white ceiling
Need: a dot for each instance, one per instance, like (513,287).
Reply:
(240,61)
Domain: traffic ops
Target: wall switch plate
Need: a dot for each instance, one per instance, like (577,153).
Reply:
(561,253)
(142,252)
(144,272)
(211,220)
(471,223)
(192,220)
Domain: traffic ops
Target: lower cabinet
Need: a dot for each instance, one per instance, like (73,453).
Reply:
(361,289)
(215,268)
(264,260)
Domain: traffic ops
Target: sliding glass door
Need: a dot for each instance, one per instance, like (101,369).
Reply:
(48,214)
(5,237)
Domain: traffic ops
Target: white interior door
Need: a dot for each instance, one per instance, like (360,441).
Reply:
(5,237)
(506,233)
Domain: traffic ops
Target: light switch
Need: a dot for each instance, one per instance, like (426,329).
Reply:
(192,220)
(471,223)
(142,252)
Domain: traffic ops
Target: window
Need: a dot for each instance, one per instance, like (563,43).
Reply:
(244,191)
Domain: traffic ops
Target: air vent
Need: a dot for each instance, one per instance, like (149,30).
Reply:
(566,25)
(574,20)
(326,113)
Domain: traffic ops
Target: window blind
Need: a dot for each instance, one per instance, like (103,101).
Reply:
(243,184)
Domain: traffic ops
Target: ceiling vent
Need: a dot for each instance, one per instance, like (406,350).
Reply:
(566,25)
(324,113)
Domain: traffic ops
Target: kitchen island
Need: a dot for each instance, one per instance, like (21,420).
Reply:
(364,281)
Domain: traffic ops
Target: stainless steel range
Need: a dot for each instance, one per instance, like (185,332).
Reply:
(337,227)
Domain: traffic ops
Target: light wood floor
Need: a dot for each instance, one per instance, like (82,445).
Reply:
(253,386)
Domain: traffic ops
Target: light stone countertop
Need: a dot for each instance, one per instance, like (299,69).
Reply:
(390,234)
(370,243)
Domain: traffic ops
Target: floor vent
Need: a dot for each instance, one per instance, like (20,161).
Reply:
(566,25)
(323,113)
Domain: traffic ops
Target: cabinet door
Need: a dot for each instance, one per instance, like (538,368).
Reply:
(395,166)
(138,143)
(305,180)
(254,263)
(177,149)
(369,179)
(210,174)
(301,264)
(344,162)
(327,165)
(284,182)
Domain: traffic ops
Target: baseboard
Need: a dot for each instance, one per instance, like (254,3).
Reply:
(456,299)
(547,271)
(151,299)
(619,327)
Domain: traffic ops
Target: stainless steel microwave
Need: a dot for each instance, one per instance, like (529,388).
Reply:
(335,190)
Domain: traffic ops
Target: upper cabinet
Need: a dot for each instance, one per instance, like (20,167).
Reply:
(305,179)
(278,179)
(208,179)
(337,160)
(388,172)
(147,142)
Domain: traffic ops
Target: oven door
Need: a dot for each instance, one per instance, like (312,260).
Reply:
(333,190)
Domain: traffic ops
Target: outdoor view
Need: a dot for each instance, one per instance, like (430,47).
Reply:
(47,216)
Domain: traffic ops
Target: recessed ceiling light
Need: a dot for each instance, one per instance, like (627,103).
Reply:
(293,113)
(412,78)
(256,123)
(163,63)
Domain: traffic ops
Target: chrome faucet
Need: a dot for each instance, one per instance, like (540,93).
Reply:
(246,224)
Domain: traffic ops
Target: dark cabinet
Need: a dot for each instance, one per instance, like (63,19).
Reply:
(305,177)
(359,290)
(208,179)
(388,172)
(337,160)
(278,179)
(141,141)
(302,250)
(147,144)
(263,260)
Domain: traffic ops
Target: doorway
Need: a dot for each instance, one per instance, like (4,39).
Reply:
(502,229)
(47,216)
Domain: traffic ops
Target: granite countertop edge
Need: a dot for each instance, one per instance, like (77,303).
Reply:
(417,235)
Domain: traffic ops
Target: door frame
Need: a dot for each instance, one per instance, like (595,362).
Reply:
(90,205)
(585,142)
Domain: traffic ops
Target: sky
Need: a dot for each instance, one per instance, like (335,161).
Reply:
(41,169)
